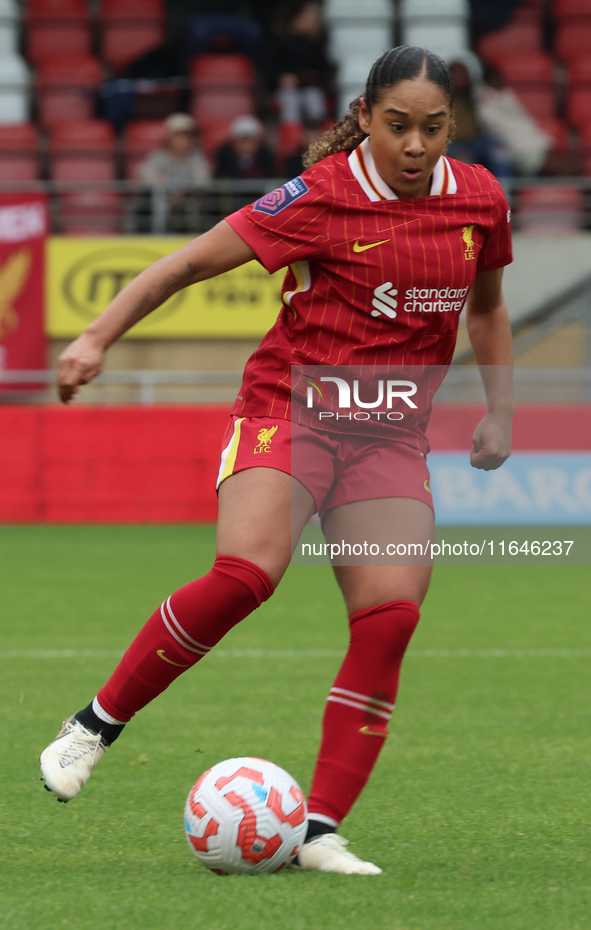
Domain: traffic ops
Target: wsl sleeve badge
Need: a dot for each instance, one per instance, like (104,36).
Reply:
(276,201)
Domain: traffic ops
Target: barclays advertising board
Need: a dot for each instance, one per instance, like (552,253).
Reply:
(529,489)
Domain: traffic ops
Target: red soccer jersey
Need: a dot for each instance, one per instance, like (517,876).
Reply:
(372,279)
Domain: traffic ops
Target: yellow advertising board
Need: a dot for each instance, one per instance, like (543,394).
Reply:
(83,275)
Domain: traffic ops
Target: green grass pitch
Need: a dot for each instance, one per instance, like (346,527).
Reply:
(479,810)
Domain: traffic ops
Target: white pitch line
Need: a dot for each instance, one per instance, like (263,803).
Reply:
(551,653)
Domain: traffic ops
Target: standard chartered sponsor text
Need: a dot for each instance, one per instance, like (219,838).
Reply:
(433,300)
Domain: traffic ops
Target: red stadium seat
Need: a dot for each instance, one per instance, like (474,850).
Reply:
(579,72)
(65,86)
(91,213)
(515,38)
(133,9)
(214,133)
(222,105)
(531,76)
(82,151)
(19,152)
(578,106)
(208,70)
(130,28)
(290,138)
(56,28)
(558,129)
(141,138)
(545,209)
(540,103)
(568,10)
(573,40)
(531,68)
(222,91)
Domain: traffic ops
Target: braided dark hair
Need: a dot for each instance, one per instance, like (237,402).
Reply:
(404,63)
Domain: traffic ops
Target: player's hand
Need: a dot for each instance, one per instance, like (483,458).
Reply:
(78,364)
(491,442)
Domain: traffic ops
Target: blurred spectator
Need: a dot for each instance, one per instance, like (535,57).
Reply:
(294,62)
(505,117)
(245,155)
(296,104)
(473,143)
(172,172)
(179,165)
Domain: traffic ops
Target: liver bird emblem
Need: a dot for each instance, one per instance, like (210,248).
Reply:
(264,439)
(13,276)
(467,236)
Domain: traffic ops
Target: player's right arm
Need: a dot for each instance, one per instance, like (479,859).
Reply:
(213,253)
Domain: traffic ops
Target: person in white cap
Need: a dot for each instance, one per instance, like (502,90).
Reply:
(245,155)
(176,168)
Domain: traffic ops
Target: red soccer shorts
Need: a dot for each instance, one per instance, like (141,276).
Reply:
(336,469)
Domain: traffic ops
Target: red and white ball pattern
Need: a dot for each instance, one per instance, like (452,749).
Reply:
(245,815)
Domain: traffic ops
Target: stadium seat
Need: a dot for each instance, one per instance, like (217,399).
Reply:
(82,150)
(579,72)
(65,88)
(225,105)
(578,106)
(569,10)
(91,213)
(573,40)
(531,75)
(530,68)
(130,28)
(515,38)
(549,210)
(558,129)
(290,138)
(222,91)
(214,133)
(19,152)
(141,138)
(56,28)
(213,70)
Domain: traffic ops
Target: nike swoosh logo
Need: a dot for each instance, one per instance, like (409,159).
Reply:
(367,731)
(370,245)
(160,652)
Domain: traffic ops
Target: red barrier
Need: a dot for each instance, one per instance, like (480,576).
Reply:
(109,465)
(159,464)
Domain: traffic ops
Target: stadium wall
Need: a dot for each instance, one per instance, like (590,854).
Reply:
(159,465)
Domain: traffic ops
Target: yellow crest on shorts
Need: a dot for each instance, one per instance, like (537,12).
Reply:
(469,240)
(264,439)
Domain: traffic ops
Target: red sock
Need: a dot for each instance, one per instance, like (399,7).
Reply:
(182,631)
(359,706)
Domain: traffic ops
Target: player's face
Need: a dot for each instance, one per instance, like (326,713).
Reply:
(408,129)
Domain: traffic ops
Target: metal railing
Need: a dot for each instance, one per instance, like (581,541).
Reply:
(563,204)
(130,208)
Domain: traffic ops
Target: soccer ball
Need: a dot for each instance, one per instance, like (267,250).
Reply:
(245,815)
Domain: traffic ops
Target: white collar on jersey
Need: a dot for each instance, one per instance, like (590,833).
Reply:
(365,172)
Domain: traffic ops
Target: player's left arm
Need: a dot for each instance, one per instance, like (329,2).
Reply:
(490,336)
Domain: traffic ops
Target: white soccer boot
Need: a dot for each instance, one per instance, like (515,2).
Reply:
(327,853)
(66,764)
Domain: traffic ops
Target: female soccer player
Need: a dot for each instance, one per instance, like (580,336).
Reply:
(380,211)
